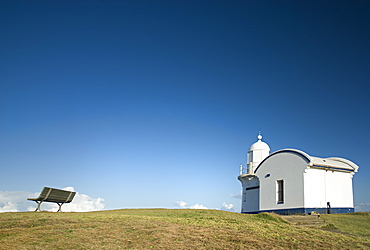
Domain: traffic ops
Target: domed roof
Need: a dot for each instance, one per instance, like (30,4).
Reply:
(259,145)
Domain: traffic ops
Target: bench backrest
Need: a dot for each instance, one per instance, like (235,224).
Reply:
(56,195)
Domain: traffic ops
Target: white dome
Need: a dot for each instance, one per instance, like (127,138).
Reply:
(259,145)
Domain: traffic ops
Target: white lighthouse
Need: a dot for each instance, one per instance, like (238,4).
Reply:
(290,181)
(250,182)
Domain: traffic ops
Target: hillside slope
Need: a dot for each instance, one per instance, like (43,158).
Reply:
(168,229)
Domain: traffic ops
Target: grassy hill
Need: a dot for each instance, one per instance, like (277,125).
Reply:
(177,229)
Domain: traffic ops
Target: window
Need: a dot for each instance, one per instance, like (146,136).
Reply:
(280,191)
(250,155)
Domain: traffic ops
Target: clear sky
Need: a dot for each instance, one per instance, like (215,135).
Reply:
(156,103)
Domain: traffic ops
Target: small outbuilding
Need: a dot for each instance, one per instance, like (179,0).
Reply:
(290,181)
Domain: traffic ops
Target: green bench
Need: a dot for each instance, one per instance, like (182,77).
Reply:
(53,195)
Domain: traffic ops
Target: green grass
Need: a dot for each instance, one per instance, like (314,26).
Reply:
(173,229)
(353,223)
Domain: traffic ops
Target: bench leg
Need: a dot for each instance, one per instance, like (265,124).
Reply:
(60,207)
(38,206)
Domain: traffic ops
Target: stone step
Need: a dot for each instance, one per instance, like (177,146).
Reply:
(305,220)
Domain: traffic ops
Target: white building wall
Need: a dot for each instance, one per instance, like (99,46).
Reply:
(250,197)
(286,166)
(323,186)
(314,188)
(339,189)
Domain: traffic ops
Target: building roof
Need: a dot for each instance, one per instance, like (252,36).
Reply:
(259,145)
(334,163)
(330,163)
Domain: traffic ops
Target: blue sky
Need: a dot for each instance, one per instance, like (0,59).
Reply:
(154,103)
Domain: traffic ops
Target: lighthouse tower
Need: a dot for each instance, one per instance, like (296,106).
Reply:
(250,182)
(257,152)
